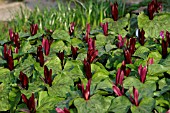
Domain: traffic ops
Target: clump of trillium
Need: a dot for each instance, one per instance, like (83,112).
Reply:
(33,29)
(30,104)
(71,28)
(61,57)
(24,80)
(48,76)
(164,45)
(114,11)
(65,110)
(85,92)
(105,28)
(40,56)
(153,7)
(8,57)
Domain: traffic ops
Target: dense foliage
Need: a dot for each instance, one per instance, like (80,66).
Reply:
(101,69)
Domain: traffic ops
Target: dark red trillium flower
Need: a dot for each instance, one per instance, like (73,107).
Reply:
(127,56)
(92,53)
(168,37)
(119,77)
(121,41)
(114,11)
(135,95)
(11,34)
(126,70)
(87,33)
(65,110)
(33,29)
(164,48)
(141,37)
(61,57)
(132,45)
(71,28)
(142,73)
(24,80)
(153,7)
(40,56)
(30,103)
(9,57)
(117,90)
(105,28)
(48,76)
(74,52)
(85,92)
(46,45)
(87,68)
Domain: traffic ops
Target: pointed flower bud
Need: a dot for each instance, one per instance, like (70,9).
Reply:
(46,46)
(11,34)
(71,28)
(40,56)
(8,57)
(127,56)
(142,73)
(117,90)
(114,11)
(164,48)
(134,100)
(121,41)
(48,76)
(61,57)
(24,80)
(141,37)
(87,68)
(87,32)
(74,52)
(30,103)
(105,28)
(132,45)
(33,29)
(119,77)
(150,61)
(86,92)
(168,37)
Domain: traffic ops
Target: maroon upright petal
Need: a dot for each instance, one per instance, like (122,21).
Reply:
(141,37)
(24,80)
(74,52)
(117,90)
(136,95)
(46,46)
(5,51)
(71,28)
(114,11)
(40,55)
(87,68)
(105,28)
(33,29)
(164,48)
(24,98)
(127,56)
(11,34)
(16,40)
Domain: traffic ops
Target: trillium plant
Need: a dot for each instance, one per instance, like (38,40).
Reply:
(95,68)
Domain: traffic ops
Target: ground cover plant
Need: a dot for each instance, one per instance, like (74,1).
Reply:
(103,69)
